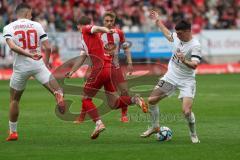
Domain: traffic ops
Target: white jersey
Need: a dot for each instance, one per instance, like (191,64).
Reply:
(191,50)
(26,34)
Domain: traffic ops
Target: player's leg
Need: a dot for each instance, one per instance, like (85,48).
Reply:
(44,76)
(120,102)
(88,107)
(80,119)
(119,81)
(17,86)
(15,97)
(53,86)
(93,84)
(187,93)
(122,87)
(161,90)
(156,95)
(190,117)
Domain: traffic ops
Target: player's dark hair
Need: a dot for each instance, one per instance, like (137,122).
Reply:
(183,25)
(110,14)
(84,20)
(22,6)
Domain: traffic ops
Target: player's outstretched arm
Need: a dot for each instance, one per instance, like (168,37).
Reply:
(79,62)
(129,59)
(154,16)
(97,29)
(21,51)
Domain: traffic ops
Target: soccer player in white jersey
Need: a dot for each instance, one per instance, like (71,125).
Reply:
(180,75)
(25,37)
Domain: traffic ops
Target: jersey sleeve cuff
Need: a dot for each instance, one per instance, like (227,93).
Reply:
(93,29)
(195,59)
(83,52)
(43,37)
(6,36)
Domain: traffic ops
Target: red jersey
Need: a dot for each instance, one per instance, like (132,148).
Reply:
(117,38)
(93,45)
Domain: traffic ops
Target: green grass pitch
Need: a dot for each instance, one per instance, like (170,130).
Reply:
(42,135)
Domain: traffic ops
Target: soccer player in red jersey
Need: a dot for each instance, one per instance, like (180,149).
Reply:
(118,39)
(93,48)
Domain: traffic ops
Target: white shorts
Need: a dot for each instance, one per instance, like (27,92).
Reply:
(19,78)
(187,88)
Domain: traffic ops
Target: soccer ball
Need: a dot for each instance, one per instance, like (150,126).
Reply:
(164,134)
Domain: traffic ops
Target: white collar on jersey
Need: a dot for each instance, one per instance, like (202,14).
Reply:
(182,42)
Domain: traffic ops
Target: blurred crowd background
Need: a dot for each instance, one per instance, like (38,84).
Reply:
(132,15)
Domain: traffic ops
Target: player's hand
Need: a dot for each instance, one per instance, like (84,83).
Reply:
(130,68)
(36,56)
(69,74)
(47,64)
(180,56)
(110,46)
(126,45)
(112,31)
(154,15)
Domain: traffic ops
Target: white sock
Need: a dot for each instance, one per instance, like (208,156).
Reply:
(98,122)
(191,123)
(12,126)
(58,91)
(133,100)
(154,114)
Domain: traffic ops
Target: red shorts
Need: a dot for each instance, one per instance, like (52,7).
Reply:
(97,79)
(117,75)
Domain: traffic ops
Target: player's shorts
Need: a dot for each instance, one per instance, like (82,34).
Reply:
(97,79)
(19,79)
(186,87)
(117,75)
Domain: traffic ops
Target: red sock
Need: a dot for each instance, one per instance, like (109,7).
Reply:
(123,102)
(90,109)
(83,113)
(124,111)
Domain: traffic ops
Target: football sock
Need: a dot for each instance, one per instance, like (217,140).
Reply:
(90,109)
(124,111)
(98,122)
(133,100)
(58,91)
(83,113)
(191,123)
(154,115)
(12,126)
